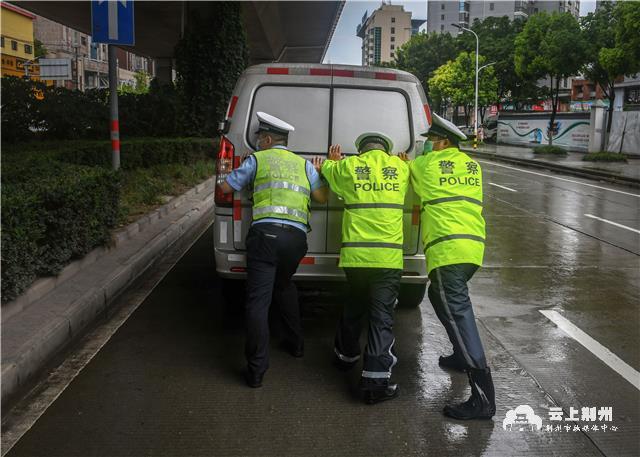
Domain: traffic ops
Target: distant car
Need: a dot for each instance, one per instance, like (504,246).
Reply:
(490,130)
(467,130)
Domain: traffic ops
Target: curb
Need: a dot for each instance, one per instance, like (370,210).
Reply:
(590,174)
(66,320)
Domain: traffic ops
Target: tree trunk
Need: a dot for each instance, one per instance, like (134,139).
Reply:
(554,108)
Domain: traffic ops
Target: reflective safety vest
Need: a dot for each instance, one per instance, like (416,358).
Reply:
(449,184)
(281,187)
(373,186)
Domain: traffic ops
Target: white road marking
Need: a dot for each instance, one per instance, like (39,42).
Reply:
(601,352)
(561,179)
(503,187)
(612,223)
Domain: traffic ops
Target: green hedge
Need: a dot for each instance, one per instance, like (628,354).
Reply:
(61,199)
(604,156)
(547,149)
(60,214)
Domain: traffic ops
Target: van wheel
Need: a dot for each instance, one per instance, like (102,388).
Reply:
(233,292)
(411,295)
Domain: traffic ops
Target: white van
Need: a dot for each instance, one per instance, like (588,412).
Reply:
(327,104)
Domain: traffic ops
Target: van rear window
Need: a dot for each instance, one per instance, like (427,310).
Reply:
(356,111)
(306,108)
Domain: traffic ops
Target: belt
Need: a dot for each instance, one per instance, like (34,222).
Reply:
(280,225)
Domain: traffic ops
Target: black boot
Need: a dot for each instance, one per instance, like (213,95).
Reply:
(482,403)
(378,390)
(453,362)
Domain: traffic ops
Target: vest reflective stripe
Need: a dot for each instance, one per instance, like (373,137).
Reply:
(460,236)
(374,205)
(453,199)
(282,185)
(373,186)
(376,374)
(449,184)
(279,210)
(370,244)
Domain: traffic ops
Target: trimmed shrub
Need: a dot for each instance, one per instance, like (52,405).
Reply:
(549,150)
(59,214)
(604,156)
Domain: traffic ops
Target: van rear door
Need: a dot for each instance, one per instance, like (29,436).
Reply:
(306,107)
(356,110)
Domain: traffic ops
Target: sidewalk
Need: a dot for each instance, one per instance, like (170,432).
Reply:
(619,172)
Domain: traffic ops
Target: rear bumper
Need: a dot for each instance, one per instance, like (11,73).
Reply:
(315,267)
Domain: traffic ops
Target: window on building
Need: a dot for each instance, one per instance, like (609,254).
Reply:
(393,30)
(14,45)
(491,6)
(393,55)
(28,49)
(393,19)
(442,6)
(2,42)
(442,17)
(442,28)
(93,51)
(393,46)
(83,40)
(393,38)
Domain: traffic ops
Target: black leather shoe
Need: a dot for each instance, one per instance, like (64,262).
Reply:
(452,362)
(296,350)
(371,397)
(252,379)
(481,404)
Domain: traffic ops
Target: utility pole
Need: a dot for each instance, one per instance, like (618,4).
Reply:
(113,102)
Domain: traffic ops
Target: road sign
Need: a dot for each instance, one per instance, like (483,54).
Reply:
(112,22)
(55,69)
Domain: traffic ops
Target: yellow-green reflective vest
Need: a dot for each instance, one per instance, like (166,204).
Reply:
(449,184)
(281,187)
(373,186)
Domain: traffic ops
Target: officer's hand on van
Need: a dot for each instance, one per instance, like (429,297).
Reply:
(317,162)
(404,156)
(335,152)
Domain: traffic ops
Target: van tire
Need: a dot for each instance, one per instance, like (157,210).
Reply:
(234,294)
(411,295)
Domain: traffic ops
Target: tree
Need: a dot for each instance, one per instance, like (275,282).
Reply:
(454,82)
(424,53)
(550,46)
(613,50)
(38,49)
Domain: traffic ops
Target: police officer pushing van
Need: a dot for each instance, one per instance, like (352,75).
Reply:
(449,184)
(282,184)
(373,185)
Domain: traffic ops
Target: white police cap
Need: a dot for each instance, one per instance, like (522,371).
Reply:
(269,123)
(444,128)
(374,137)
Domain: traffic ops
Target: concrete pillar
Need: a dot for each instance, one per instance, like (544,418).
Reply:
(164,70)
(597,126)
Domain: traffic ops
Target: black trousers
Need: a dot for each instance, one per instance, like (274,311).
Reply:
(273,254)
(449,295)
(373,295)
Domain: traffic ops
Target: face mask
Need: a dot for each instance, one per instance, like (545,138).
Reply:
(428,146)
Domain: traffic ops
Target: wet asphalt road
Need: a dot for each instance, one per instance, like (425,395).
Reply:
(168,381)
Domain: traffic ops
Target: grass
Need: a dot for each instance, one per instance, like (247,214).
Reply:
(604,156)
(547,149)
(143,189)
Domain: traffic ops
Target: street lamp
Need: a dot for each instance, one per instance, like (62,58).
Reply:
(475,112)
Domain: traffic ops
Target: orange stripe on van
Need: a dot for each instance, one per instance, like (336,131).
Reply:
(232,105)
(237,210)
(389,76)
(308,261)
(277,71)
(344,73)
(415,215)
(320,72)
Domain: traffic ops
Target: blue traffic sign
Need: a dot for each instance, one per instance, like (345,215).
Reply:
(112,22)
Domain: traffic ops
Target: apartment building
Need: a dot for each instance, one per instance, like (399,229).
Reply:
(384,31)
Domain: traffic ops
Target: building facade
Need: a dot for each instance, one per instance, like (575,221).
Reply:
(384,31)
(17,46)
(89,60)
(442,14)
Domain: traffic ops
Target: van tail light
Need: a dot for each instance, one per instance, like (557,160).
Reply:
(224,165)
